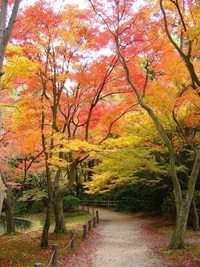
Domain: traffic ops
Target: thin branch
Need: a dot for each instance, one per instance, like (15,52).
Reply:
(115,120)
(182,131)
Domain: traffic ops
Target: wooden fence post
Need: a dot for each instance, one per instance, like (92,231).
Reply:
(37,264)
(89,226)
(72,245)
(94,221)
(97,216)
(55,255)
(84,231)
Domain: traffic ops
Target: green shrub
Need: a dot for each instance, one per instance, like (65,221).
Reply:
(21,207)
(139,198)
(37,207)
(70,203)
(169,209)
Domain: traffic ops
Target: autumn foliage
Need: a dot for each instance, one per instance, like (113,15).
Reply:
(103,97)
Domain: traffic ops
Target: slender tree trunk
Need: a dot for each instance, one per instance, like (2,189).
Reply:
(2,193)
(59,215)
(182,204)
(59,194)
(9,218)
(45,233)
(177,239)
(58,205)
(9,207)
(183,207)
(6,27)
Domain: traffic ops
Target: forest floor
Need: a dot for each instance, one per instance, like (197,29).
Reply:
(133,240)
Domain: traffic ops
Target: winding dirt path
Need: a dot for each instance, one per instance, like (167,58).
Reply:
(120,240)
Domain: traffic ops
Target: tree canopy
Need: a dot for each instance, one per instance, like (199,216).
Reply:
(103,96)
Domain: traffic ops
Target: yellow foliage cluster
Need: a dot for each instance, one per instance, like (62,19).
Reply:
(106,181)
(65,151)
(16,66)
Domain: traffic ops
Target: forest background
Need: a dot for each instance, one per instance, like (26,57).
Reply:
(101,100)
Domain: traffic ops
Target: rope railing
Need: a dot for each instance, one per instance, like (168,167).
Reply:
(51,260)
(86,229)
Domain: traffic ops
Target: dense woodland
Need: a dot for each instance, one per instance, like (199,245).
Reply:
(101,102)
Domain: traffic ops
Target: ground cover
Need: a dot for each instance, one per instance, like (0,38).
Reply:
(120,239)
(187,257)
(23,249)
(134,240)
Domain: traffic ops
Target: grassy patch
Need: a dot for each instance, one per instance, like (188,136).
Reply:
(23,249)
(187,257)
(160,229)
(191,252)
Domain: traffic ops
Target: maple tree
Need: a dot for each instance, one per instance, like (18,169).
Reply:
(66,95)
(136,155)
(8,13)
(15,163)
(77,76)
(186,25)
(187,48)
(130,39)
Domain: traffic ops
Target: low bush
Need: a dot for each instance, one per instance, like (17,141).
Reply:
(70,203)
(139,198)
(37,207)
(21,208)
(169,209)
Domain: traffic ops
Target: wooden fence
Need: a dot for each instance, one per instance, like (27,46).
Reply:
(104,203)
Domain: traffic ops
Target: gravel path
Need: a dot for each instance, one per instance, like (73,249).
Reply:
(120,240)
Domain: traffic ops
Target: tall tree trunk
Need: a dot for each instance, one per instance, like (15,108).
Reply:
(2,194)
(45,232)
(177,239)
(59,194)
(58,205)
(6,28)
(9,207)
(183,207)
(9,218)
(58,210)
(5,33)
(182,204)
